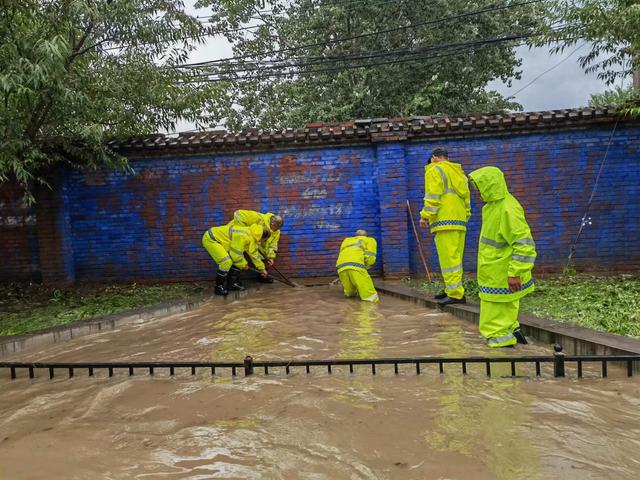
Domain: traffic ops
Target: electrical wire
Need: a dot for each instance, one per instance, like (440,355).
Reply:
(376,54)
(364,35)
(546,71)
(586,221)
(430,56)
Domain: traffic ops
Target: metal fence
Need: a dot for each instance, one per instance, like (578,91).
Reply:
(559,361)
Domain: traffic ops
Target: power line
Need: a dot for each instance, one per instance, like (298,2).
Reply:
(364,35)
(587,220)
(424,55)
(378,54)
(546,71)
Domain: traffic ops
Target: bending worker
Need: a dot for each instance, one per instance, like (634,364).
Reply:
(227,245)
(273,222)
(506,255)
(447,208)
(357,254)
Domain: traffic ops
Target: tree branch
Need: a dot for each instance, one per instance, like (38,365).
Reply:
(43,107)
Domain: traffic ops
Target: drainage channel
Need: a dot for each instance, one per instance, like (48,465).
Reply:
(248,367)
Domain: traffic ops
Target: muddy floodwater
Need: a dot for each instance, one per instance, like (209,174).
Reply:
(311,426)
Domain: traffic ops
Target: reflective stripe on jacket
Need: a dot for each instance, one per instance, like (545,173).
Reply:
(269,247)
(238,239)
(447,201)
(357,253)
(506,247)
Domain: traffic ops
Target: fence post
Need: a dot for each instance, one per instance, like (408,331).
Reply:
(248,365)
(558,361)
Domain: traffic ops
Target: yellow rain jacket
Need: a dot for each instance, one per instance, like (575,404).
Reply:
(506,247)
(357,253)
(237,240)
(269,247)
(447,201)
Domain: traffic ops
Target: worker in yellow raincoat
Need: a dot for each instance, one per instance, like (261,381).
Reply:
(227,245)
(506,255)
(447,208)
(357,254)
(273,222)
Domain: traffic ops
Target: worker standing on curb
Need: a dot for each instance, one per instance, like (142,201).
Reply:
(269,247)
(227,245)
(357,254)
(447,208)
(506,255)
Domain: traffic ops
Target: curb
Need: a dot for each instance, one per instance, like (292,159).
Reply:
(575,340)
(13,344)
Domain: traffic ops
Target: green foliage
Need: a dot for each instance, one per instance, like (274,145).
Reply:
(27,308)
(618,97)
(609,304)
(76,73)
(610,27)
(606,304)
(429,84)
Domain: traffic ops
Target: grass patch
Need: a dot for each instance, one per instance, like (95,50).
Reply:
(608,304)
(25,308)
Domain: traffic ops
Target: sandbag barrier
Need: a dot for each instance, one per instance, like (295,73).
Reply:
(248,367)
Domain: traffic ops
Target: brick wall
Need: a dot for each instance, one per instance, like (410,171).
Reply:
(148,226)
(55,235)
(18,237)
(552,175)
(392,187)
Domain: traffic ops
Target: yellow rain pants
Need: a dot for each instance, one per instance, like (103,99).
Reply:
(358,281)
(217,252)
(450,247)
(498,320)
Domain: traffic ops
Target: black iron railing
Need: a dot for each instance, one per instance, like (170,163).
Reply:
(249,366)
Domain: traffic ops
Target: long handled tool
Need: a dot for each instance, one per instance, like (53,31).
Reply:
(415,232)
(289,282)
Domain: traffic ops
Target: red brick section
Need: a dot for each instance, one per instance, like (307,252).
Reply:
(54,235)
(18,248)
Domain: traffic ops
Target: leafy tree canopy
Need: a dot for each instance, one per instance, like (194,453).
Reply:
(620,98)
(76,73)
(297,61)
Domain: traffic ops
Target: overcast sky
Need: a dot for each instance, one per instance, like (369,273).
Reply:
(566,86)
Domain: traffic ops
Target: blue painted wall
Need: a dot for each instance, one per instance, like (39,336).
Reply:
(553,176)
(148,226)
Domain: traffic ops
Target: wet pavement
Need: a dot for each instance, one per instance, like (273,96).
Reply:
(315,426)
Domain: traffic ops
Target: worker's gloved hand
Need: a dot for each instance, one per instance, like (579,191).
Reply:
(246,267)
(514,284)
(264,273)
(424,223)
(270,262)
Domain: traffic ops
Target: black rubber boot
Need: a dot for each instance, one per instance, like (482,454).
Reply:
(233,282)
(440,296)
(452,301)
(520,337)
(221,283)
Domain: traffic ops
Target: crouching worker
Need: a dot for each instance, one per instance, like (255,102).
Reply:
(506,255)
(357,254)
(227,245)
(269,246)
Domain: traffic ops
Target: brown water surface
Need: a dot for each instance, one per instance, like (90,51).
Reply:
(315,426)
